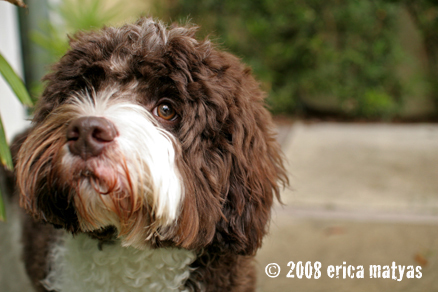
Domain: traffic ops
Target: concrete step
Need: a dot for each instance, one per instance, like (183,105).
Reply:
(391,168)
(363,194)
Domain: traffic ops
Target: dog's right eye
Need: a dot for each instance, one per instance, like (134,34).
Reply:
(165,111)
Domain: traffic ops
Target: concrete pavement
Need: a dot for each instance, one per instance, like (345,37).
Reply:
(363,194)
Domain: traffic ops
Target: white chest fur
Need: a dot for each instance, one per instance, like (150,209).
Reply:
(77,265)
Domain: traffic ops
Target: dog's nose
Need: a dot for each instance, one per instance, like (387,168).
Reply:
(88,136)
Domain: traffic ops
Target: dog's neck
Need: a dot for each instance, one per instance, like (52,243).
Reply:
(80,264)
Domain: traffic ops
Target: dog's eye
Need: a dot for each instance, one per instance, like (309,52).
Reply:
(165,111)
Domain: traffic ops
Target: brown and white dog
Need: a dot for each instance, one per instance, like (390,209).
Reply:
(151,165)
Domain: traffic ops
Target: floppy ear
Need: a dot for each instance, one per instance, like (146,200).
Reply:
(230,161)
(257,172)
(252,160)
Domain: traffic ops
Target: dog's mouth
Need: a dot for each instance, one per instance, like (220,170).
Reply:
(99,183)
(102,178)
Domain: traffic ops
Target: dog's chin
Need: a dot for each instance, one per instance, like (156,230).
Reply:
(110,209)
(98,172)
(107,204)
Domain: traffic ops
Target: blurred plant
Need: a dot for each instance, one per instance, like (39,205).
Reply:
(20,91)
(425,16)
(300,49)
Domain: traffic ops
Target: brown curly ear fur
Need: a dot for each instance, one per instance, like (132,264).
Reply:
(255,174)
(232,164)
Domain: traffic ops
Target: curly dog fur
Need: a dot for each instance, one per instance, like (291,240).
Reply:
(184,165)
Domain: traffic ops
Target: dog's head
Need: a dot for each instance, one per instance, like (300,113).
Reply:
(159,136)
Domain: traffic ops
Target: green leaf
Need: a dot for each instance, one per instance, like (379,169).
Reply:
(14,82)
(5,153)
(2,208)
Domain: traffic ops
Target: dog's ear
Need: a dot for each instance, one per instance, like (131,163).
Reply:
(233,166)
(257,173)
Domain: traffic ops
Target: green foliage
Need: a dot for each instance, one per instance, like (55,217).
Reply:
(425,15)
(5,153)
(311,48)
(20,91)
(6,160)
(14,82)
(376,103)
